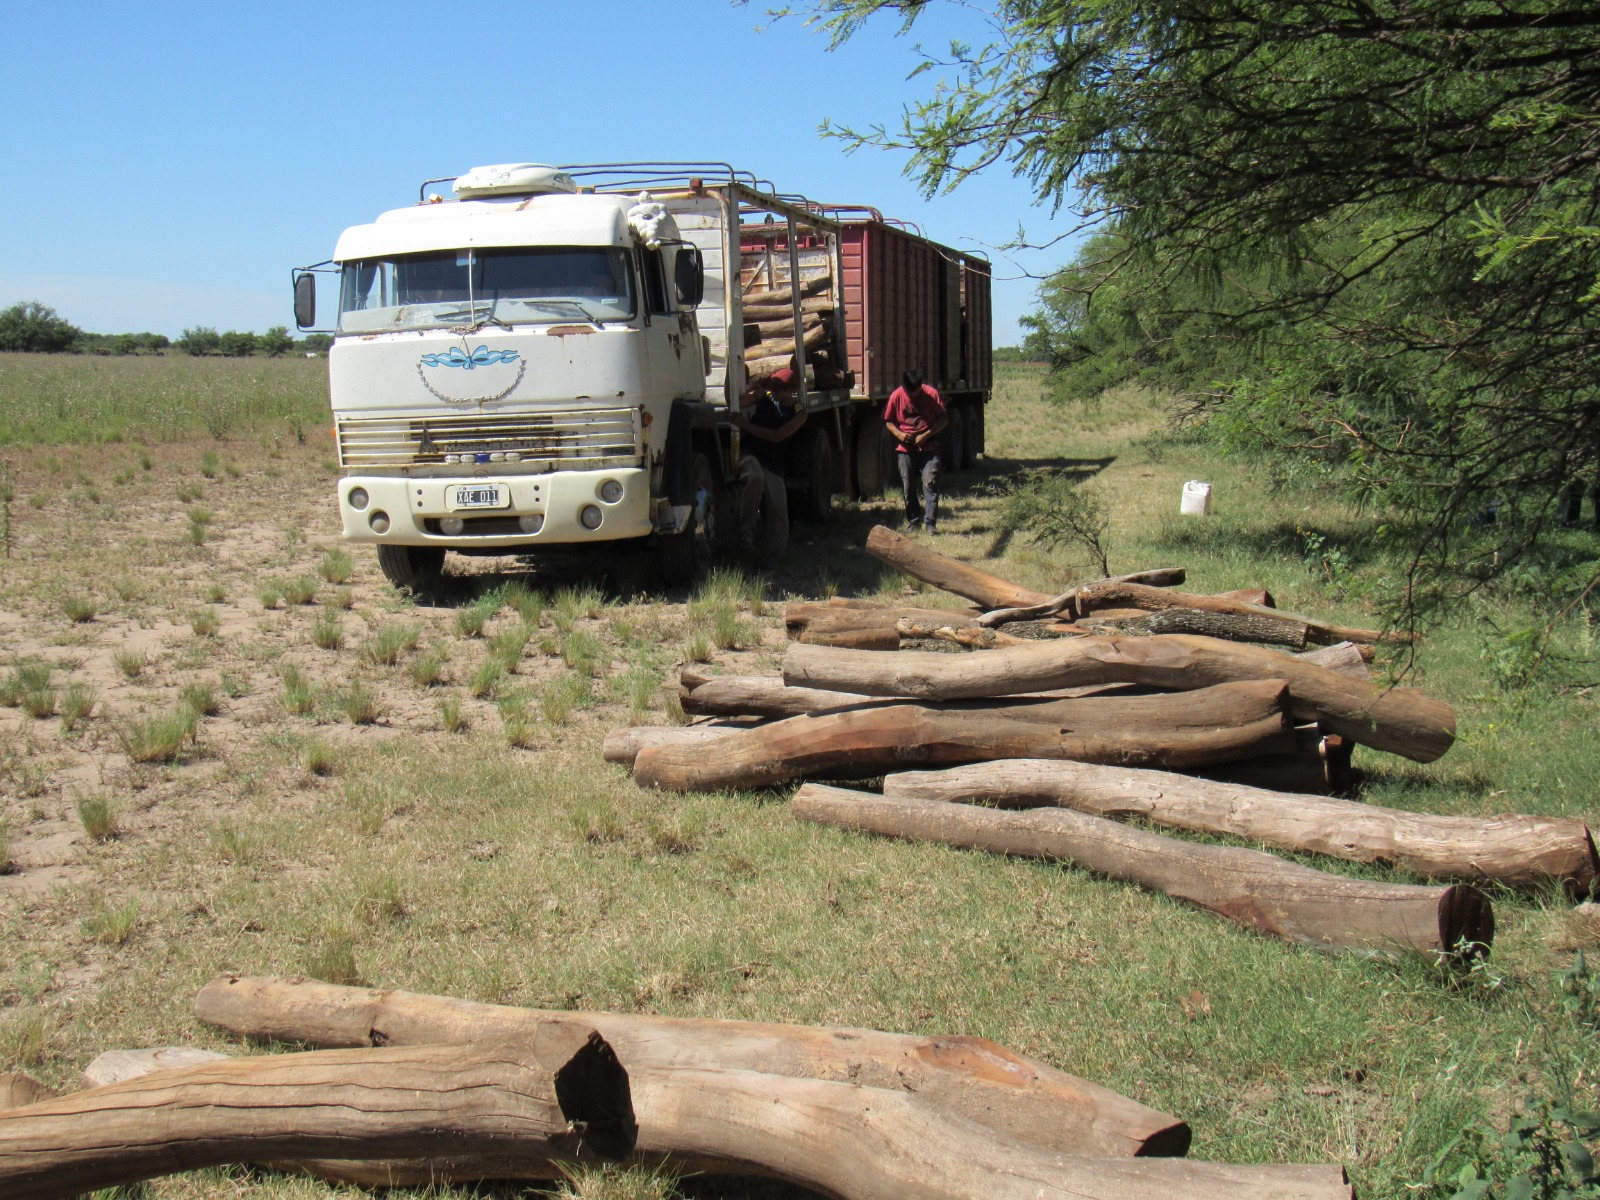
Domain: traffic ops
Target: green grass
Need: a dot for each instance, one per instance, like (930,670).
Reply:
(59,399)
(75,704)
(98,816)
(79,608)
(327,632)
(113,924)
(302,589)
(553,881)
(158,738)
(390,643)
(337,567)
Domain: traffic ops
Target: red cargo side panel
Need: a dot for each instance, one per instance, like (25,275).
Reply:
(977,325)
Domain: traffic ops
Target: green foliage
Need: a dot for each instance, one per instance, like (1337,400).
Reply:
(34,328)
(1357,234)
(202,339)
(1546,1150)
(1058,512)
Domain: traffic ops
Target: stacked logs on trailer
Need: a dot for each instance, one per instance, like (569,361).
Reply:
(769,334)
(417,1090)
(1098,711)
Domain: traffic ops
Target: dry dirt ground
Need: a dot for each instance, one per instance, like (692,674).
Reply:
(139,575)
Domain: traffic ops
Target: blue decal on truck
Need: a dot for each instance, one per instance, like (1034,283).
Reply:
(481,357)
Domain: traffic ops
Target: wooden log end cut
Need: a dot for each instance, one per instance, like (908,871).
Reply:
(1466,922)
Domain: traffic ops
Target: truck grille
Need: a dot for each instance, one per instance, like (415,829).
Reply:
(571,439)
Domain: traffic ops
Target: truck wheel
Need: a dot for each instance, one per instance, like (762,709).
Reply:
(873,457)
(818,470)
(953,441)
(974,445)
(772,532)
(685,557)
(417,568)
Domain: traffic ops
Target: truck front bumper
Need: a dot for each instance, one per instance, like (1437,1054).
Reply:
(542,510)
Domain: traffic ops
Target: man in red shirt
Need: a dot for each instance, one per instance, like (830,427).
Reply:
(915,416)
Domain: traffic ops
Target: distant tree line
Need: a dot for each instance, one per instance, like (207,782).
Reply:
(31,327)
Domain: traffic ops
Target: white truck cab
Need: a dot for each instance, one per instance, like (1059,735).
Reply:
(504,370)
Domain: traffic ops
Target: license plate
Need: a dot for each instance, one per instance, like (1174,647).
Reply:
(480,495)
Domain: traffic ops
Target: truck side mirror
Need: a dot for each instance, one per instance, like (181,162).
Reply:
(305,300)
(689,277)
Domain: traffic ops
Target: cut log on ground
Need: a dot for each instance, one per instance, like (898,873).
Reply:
(1066,603)
(558,1096)
(1517,851)
(623,745)
(1114,594)
(986,590)
(864,742)
(1400,720)
(1014,1096)
(801,616)
(766,696)
(1319,765)
(1254,888)
(18,1088)
(1347,658)
(1233,627)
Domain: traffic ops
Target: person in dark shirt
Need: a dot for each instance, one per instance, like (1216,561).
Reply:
(914,417)
(767,418)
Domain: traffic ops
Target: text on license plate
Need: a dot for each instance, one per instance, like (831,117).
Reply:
(480,495)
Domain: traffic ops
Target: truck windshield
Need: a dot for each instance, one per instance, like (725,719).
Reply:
(496,286)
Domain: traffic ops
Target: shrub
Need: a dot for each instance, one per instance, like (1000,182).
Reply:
(361,704)
(75,704)
(98,816)
(79,608)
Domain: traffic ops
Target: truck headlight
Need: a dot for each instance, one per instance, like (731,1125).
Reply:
(531,523)
(590,516)
(451,525)
(359,498)
(611,491)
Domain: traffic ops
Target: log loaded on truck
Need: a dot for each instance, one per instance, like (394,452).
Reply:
(552,358)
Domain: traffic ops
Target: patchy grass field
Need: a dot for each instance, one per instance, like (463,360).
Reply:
(227,745)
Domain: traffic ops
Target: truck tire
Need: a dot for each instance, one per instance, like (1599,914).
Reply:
(953,441)
(416,568)
(685,557)
(817,469)
(772,529)
(974,446)
(873,455)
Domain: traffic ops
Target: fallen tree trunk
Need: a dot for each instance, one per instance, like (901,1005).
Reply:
(559,1097)
(18,1088)
(1517,851)
(1117,594)
(803,615)
(768,697)
(864,742)
(1400,720)
(1249,886)
(979,586)
(623,745)
(1233,627)
(1346,658)
(1015,1096)
(1319,764)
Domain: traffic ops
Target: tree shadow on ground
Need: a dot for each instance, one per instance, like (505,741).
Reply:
(822,560)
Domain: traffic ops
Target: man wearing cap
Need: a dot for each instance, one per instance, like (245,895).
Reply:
(767,418)
(914,417)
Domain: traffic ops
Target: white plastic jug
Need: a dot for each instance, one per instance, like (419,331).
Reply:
(1196,499)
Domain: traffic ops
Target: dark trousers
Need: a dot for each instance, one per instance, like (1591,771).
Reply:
(919,473)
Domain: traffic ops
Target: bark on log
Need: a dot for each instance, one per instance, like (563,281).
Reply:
(623,745)
(1400,720)
(1233,627)
(1516,850)
(778,312)
(1003,1091)
(1066,602)
(850,635)
(1254,888)
(1113,594)
(1320,764)
(803,615)
(809,339)
(558,1095)
(767,697)
(1346,658)
(973,637)
(816,286)
(979,586)
(772,330)
(18,1088)
(861,743)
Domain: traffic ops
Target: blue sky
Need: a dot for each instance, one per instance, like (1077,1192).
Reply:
(169,163)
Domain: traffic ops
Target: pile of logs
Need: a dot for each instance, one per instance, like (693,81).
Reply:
(422,1090)
(769,334)
(1095,717)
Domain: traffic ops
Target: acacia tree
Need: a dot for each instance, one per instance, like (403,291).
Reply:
(35,328)
(1389,206)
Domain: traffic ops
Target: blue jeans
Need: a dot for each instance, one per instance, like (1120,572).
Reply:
(919,471)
